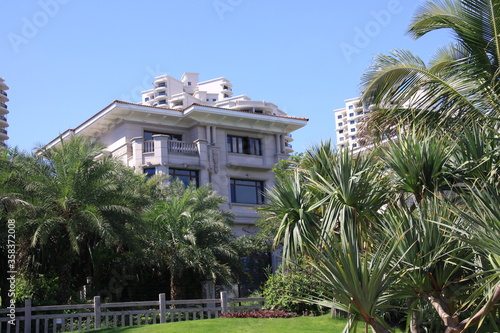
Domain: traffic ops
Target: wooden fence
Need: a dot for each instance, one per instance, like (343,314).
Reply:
(80,317)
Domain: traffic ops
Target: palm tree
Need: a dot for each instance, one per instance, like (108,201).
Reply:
(460,86)
(81,199)
(191,234)
(10,202)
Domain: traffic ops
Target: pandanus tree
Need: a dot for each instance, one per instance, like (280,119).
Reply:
(434,225)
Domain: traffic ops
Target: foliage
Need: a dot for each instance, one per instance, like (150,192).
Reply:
(191,232)
(42,290)
(404,229)
(258,314)
(457,89)
(284,288)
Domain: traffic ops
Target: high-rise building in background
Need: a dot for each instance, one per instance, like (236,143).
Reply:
(348,121)
(3,111)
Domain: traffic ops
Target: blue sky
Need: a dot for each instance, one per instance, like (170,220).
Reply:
(64,60)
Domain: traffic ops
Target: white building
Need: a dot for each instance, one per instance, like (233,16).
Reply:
(3,111)
(348,121)
(198,131)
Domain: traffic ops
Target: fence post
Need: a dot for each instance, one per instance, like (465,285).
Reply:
(163,309)
(97,311)
(27,315)
(223,301)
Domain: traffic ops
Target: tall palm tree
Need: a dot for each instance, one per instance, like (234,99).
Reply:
(191,233)
(80,198)
(460,85)
(10,202)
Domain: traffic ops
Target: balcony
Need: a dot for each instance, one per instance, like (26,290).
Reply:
(3,108)
(176,147)
(3,121)
(3,93)
(3,134)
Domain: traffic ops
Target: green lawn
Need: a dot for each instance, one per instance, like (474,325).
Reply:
(241,325)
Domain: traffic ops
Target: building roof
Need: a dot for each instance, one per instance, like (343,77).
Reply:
(106,120)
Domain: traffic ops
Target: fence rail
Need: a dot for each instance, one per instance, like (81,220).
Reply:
(81,317)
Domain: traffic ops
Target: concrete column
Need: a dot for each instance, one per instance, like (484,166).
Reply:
(137,159)
(161,149)
(207,135)
(214,135)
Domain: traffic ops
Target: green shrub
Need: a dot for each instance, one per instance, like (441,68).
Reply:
(284,288)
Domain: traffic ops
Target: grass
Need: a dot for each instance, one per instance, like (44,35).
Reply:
(241,325)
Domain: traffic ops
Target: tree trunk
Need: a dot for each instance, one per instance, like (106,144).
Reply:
(64,281)
(376,326)
(459,327)
(415,317)
(174,287)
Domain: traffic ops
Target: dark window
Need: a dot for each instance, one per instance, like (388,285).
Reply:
(351,114)
(186,176)
(351,107)
(360,113)
(148,135)
(354,145)
(353,137)
(339,116)
(243,145)
(149,172)
(247,191)
(340,124)
(162,102)
(351,122)
(353,130)
(214,99)
(341,131)
(146,99)
(189,83)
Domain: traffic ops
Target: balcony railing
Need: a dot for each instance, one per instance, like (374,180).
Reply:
(3,93)
(3,118)
(3,131)
(3,105)
(181,147)
(148,146)
(177,147)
